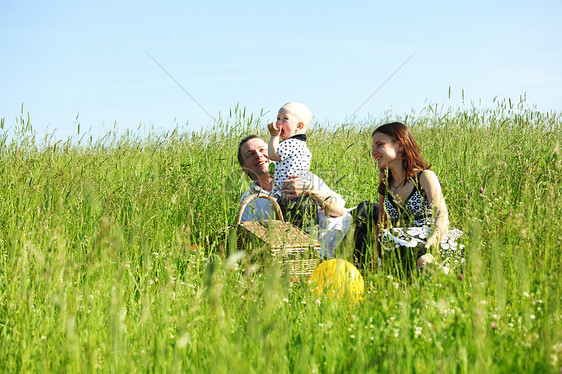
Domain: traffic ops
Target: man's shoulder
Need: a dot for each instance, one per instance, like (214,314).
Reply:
(246,194)
(257,209)
(254,189)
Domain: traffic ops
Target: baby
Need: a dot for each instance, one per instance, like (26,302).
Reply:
(292,157)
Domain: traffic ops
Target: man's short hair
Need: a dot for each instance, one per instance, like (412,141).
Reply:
(242,142)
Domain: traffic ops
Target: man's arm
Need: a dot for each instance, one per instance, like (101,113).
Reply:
(330,204)
(329,201)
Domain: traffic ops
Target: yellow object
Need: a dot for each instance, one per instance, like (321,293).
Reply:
(338,278)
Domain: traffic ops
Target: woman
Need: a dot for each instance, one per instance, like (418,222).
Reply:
(412,211)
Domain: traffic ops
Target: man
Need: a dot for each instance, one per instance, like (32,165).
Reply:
(334,220)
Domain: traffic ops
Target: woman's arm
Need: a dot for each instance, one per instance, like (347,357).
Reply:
(383,222)
(432,188)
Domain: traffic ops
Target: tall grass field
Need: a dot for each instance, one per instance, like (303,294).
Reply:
(109,256)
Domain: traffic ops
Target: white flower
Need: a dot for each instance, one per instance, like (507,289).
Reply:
(285,300)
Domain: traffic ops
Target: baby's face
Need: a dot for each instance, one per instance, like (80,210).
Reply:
(288,119)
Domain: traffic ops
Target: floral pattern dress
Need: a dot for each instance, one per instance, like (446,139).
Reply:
(417,218)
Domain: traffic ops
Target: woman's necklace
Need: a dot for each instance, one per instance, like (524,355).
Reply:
(395,188)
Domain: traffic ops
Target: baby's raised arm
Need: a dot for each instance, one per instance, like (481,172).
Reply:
(273,145)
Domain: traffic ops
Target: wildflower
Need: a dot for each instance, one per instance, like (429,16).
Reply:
(318,302)
(533,316)
(417,331)
(493,325)
(481,189)
(526,294)
(352,336)
(303,302)
(285,300)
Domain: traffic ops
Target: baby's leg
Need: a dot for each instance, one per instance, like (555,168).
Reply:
(299,211)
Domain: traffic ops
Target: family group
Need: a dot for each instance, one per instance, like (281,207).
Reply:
(408,224)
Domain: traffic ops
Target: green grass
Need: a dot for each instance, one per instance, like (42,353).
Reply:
(108,258)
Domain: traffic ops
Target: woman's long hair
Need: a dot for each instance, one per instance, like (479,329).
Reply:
(411,159)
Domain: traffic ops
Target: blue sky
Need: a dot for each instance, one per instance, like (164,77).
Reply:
(67,58)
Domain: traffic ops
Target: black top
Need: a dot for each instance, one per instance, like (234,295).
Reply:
(416,210)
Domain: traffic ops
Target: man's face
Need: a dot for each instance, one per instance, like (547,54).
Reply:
(256,161)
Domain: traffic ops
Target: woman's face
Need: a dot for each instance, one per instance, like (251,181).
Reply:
(386,150)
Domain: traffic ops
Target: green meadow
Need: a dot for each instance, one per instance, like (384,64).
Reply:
(111,259)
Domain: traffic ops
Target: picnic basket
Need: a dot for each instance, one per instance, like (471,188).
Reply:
(294,250)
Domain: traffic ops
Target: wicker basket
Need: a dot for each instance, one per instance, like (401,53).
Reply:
(296,251)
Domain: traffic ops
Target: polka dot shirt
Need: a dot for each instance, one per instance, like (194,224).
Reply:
(295,159)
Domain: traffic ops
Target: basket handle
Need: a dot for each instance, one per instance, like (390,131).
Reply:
(255,196)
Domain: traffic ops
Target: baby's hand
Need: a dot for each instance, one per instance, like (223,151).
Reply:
(273,129)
